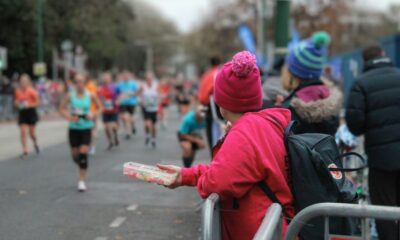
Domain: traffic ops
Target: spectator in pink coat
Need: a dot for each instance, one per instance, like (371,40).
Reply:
(252,151)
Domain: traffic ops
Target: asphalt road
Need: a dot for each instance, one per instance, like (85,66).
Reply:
(38,197)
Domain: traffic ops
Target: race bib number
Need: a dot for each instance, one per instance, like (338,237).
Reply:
(23,104)
(150,102)
(77,111)
(108,105)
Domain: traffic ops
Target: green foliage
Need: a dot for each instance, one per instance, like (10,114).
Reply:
(17,33)
(106,29)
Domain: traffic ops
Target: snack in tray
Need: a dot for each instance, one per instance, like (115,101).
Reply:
(148,173)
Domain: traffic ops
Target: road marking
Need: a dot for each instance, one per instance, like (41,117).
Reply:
(132,207)
(117,222)
(101,238)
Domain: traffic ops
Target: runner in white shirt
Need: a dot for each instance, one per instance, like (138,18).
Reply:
(150,100)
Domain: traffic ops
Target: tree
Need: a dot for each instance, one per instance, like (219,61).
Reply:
(17,33)
(106,29)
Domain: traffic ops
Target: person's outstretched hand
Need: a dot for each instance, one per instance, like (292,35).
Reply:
(175,170)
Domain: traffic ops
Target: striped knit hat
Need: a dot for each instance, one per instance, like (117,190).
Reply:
(307,59)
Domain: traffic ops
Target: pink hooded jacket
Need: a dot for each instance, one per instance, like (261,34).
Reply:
(252,151)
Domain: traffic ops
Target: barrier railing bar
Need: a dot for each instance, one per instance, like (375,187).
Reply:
(271,226)
(326,234)
(340,210)
(211,218)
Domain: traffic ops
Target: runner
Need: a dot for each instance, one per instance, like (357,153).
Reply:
(182,98)
(150,107)
(76,109)
(91,87)
(108,95)
(165,101)
(27,101)
(189,135)
(128,90)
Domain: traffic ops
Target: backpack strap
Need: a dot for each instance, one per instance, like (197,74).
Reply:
(264,187)
(286,131)
(271,195)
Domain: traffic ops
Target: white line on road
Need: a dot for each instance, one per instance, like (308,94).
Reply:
(132,207)
(101,238)
(117,222)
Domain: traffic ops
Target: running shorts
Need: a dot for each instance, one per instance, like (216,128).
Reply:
(194,145)
(28,116)
(152,116)
(110,117)
(79,137)
(127,109)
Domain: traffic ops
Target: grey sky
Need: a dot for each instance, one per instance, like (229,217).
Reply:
(187,13)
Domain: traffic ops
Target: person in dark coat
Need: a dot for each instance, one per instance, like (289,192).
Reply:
(373,109)
(314,105)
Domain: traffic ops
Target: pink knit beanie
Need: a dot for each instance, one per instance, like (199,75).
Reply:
(238,84)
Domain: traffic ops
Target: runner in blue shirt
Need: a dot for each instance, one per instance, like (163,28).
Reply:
(128,91)
(189,135)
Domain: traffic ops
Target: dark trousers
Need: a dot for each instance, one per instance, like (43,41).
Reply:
(209,122)
(384,188)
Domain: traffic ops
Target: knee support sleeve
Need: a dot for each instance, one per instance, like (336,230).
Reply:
(83,161)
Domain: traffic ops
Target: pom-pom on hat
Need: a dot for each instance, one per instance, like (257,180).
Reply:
(238,84)
(307,59)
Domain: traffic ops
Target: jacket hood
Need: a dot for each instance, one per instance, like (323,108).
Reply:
(314,111)
(282,115)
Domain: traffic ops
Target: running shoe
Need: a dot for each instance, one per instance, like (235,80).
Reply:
(133,130)
(127,137)
(153,144)
(110,146)
(81,186)
(23,155)
(37,150)
(92,150)
(147,142)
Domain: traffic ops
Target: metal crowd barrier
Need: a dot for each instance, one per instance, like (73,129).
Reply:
(271,227)
(6,107)
(327,210)
(211,223)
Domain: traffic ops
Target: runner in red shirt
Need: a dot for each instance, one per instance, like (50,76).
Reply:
(108,96)
(164,89)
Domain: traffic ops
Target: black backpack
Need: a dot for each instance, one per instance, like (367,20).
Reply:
(316,176)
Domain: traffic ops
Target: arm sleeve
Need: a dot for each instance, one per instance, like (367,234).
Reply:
(355,110)
(232,173)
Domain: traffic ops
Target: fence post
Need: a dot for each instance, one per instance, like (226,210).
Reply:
(211,218)
(271,226)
